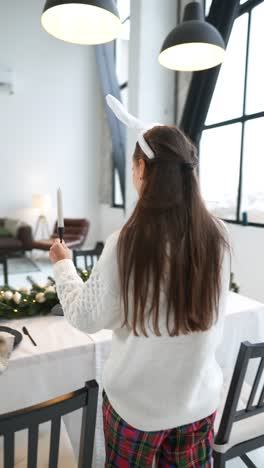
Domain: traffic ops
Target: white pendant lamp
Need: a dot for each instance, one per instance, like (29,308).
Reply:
(194,44)
(82,22)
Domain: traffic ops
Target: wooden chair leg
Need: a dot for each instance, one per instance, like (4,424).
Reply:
(219,460)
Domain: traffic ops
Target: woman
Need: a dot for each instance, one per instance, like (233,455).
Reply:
(161,286)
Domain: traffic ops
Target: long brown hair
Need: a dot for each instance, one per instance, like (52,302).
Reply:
(171,241)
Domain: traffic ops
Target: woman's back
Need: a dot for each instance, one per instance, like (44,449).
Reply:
(160,381)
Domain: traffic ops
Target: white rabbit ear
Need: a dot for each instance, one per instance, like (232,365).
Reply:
(122,114)
(131,122)
(145,146)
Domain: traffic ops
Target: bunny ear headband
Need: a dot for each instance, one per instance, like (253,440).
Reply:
(132,122)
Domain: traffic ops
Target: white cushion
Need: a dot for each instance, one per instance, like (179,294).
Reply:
(66,453)
(243,430)
(12,226)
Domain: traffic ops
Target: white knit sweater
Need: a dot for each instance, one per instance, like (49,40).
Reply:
(153,383)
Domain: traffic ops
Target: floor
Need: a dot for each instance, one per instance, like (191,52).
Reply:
(42,261)
(257,457)
(20,280)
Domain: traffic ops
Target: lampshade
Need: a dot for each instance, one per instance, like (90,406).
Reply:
(194,44)
(41,202)
(82,22)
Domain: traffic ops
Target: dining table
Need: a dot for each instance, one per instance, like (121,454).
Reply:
(65,358)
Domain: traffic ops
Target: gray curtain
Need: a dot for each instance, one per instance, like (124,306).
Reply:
(106,163)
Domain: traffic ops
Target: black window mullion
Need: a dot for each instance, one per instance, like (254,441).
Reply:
(240,188)
(238,223)
(246,7)
(243,118)
(239,196)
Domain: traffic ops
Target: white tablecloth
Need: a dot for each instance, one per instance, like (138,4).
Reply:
(244,322)
(63,355)
(63,361)
(65,358)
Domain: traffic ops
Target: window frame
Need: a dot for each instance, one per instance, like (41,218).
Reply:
(247,7)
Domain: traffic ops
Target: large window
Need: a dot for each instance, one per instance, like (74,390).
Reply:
(122,63)
(231,150)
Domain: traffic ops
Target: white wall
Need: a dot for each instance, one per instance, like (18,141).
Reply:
(49,133)
(111,220)
(151,87)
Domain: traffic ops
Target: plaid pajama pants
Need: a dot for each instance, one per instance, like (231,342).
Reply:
(187,446)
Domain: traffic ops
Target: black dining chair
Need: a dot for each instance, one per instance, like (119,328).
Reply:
(241,428)
(88,256)
(3,262)
(31,418)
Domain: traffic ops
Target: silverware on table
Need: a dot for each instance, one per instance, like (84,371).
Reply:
(26,332)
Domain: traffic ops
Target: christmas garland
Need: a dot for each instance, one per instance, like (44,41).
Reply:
(38,300)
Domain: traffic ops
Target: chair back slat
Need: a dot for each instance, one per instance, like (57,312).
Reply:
(30,418)
(233,395)
(261,399)
(33,433)
(88,254)
(255,385)
(231,414)
(39,414)
(54,442)
(9,450)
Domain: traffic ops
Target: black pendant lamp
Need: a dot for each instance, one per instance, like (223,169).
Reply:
(82,22)
(194,44)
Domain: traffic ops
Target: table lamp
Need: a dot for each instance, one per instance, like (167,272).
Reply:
(42,203)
